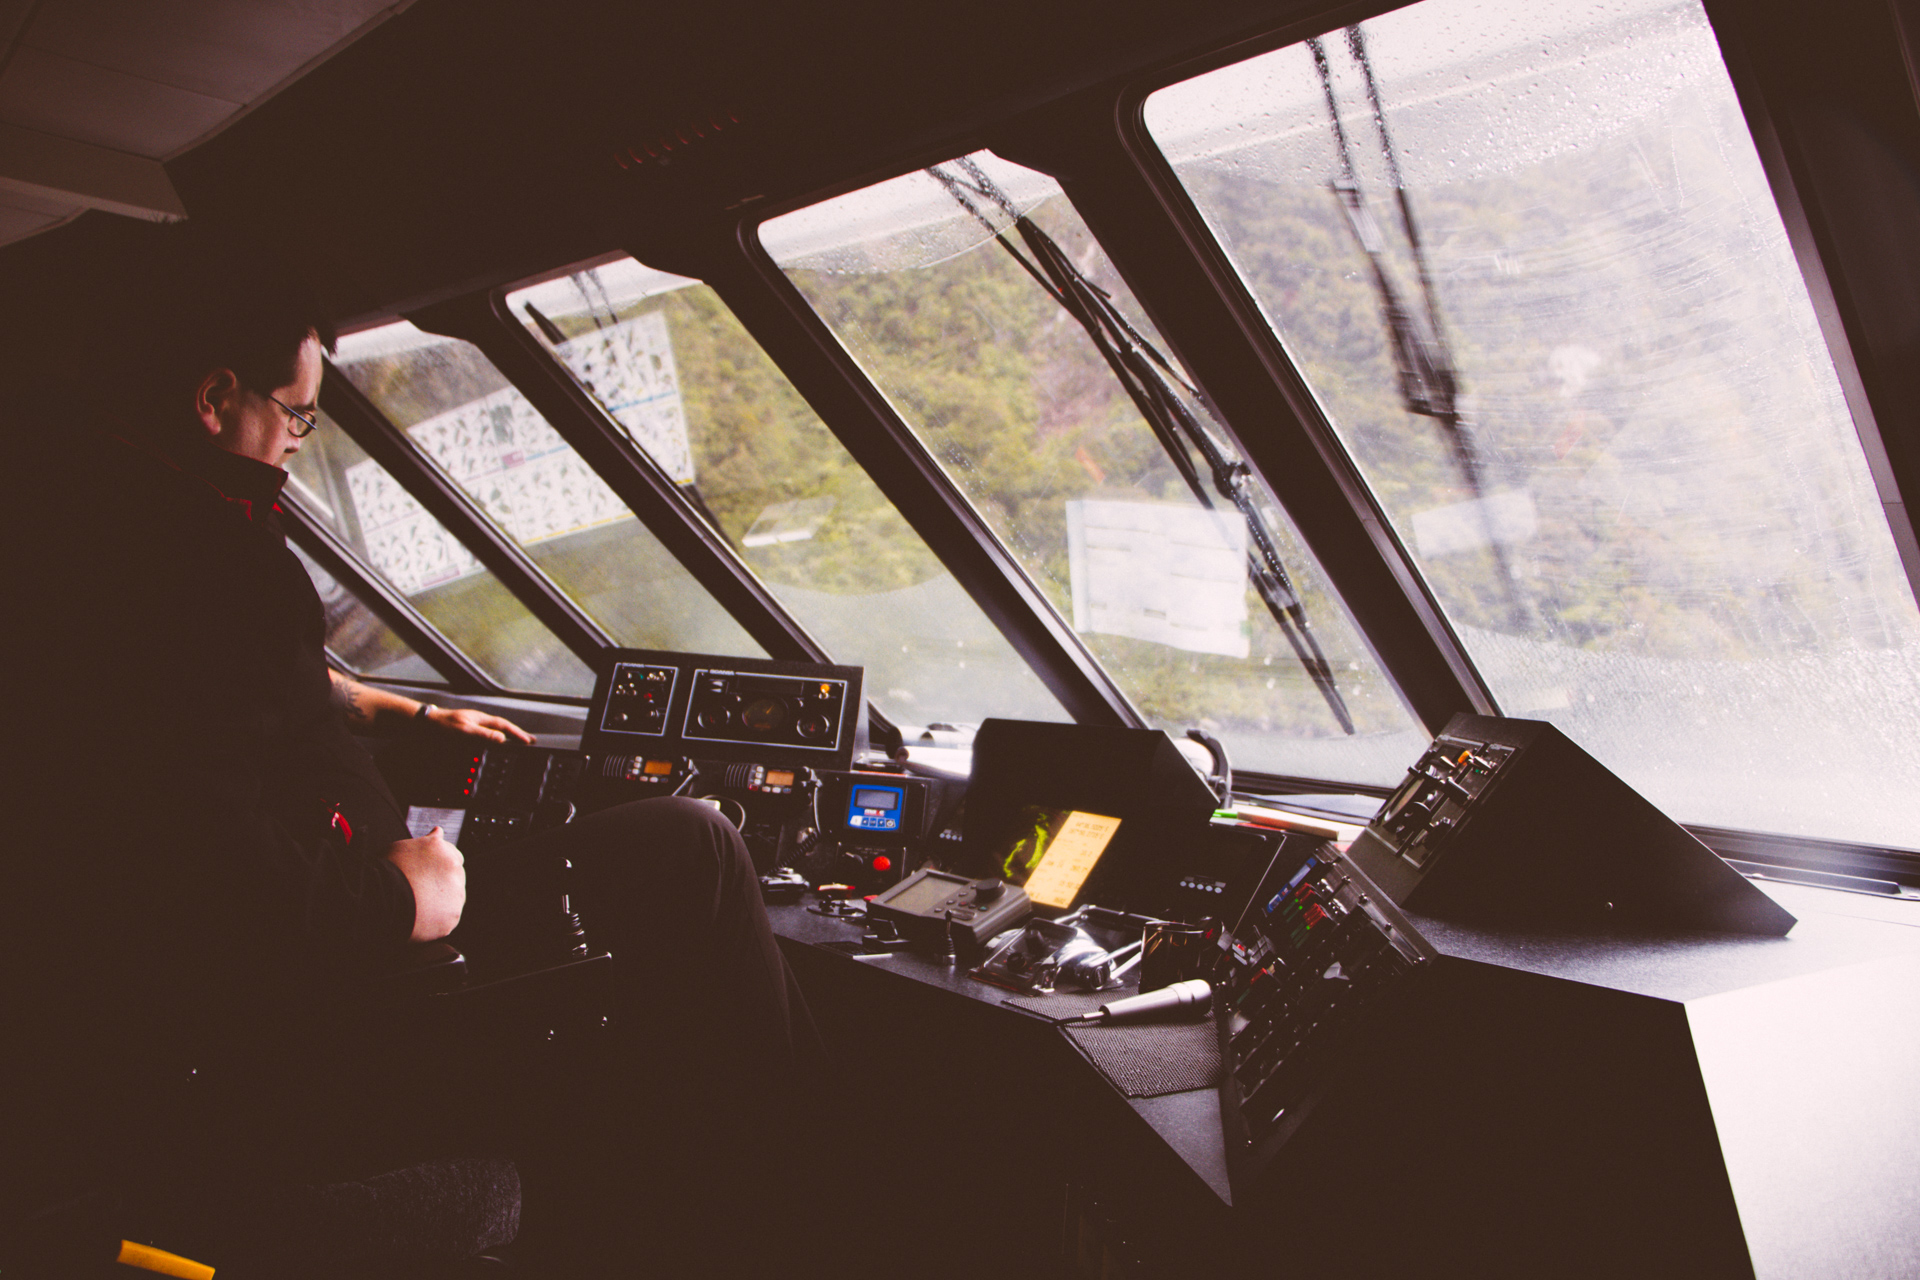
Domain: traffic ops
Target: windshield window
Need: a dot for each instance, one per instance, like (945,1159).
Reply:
(479,429)
(333,480)
(357,641)
(1528,261)
(672,366)
(971,294)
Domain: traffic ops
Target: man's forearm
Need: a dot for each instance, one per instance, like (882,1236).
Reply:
(368,708)
(382,711)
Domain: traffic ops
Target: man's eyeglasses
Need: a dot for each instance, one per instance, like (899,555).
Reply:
(303,426)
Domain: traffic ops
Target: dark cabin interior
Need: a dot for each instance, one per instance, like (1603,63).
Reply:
(1567,1092)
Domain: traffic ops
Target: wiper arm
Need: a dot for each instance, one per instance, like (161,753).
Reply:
(1429,384)
(1156,389)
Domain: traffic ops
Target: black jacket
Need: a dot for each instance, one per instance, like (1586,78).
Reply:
(197,837)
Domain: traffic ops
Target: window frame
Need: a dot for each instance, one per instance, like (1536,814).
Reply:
(442,498)
(738,268)
(652,496)
(1842,324)
(311,535)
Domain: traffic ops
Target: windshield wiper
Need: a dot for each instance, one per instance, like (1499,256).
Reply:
(1429,384)
(1157,391)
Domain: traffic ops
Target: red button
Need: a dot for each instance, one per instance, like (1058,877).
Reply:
(882,862)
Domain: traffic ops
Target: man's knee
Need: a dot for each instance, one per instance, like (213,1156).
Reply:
(695,824)
(673,837)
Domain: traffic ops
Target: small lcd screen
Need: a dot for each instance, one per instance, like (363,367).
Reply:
(779,778)
(658,767)
(875,798)
(923,897)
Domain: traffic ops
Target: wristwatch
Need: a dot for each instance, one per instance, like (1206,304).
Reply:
(425,707)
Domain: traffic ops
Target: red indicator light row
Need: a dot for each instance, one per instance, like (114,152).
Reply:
(660,148)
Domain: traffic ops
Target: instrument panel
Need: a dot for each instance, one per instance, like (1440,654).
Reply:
(655,705)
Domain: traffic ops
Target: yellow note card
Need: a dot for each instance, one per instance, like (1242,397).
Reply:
(1069,859)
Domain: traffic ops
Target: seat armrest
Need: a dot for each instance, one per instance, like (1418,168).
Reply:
(423,969)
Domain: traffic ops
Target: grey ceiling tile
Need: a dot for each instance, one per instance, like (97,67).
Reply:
(25,201)
(56,95)
(18,224)
(231,49)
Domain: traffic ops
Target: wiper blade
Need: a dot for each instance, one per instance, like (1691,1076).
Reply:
(1156,389)
(1429,384)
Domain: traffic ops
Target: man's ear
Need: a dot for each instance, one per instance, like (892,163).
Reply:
(215,397)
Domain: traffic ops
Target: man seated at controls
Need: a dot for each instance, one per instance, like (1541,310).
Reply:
(207,877)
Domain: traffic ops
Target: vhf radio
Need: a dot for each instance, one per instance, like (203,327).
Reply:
(871,824)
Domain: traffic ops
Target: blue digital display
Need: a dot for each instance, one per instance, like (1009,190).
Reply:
(871,808)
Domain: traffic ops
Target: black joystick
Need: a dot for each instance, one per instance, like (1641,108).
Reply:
(569,939)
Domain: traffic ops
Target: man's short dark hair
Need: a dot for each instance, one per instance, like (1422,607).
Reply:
(131,316)
(210,302)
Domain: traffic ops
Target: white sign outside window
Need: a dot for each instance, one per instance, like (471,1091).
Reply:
(629,369)
(1170,574)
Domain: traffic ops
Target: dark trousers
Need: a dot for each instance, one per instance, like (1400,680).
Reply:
(637,1140)
(667,887)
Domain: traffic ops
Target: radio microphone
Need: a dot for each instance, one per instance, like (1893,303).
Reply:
(1193,995)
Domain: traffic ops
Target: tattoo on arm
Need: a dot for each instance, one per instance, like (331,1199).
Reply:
(347,697)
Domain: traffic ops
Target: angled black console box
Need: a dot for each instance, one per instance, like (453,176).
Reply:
(1597,1103)
(1135,775)
(1508,820)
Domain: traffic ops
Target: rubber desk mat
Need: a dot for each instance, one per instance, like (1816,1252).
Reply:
(1142,1060)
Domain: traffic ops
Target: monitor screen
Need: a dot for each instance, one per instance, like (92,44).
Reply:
(1051,852)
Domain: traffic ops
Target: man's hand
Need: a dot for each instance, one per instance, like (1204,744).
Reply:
(438,875)
(477,723)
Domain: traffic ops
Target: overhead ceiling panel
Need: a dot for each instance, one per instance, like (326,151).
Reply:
(90,90)
(233,50)
(17,223)
(88,103)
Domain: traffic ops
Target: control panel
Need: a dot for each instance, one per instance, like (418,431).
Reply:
(1317,948)
(655,706)
(485,794)
(876,807)
(873,828)
(1419,819)
(761,710)
(639,698)
(928,904)
(1511,819)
